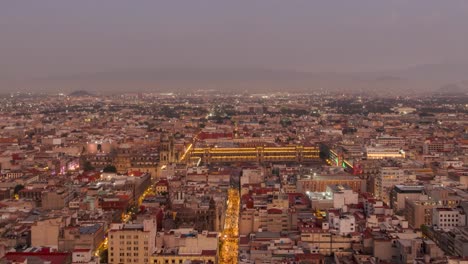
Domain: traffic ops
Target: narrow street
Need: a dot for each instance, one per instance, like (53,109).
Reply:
(124,218)
(229,240)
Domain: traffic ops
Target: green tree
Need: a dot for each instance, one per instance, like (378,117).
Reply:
(285,122)
(275,171)
(18,188)
(103,256)
(110,168)
(87,166)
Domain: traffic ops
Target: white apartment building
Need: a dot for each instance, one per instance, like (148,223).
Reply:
(448,218)
(342,195)
(344,224)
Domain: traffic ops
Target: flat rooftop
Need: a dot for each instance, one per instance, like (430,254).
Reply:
(409,188)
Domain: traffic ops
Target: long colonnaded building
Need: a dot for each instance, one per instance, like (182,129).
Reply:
(253,154)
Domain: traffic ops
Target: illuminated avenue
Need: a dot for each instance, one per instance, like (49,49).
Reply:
(229,240)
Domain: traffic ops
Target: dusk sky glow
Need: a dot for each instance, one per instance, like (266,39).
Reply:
(49,38)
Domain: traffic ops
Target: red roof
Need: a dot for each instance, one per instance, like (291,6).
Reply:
(208,253)
(309,256)
(162,183)
(275,211)
(53,258)
(8,140)
(16,156)
(214,135)
(297,198)
(81,250)
(135,173)
(244,240)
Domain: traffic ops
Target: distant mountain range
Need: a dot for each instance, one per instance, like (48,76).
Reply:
(415,80)
(78,93)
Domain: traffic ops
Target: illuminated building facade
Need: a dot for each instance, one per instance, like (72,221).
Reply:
(385,153)
(258,154)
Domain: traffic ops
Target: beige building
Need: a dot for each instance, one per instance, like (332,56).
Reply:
(320,183)
(56,199)
(132,243)
(445,196)
(386,180)
(419,212)
(273,220)
(401,193)
(83,237)
(186,244)
(324,242)
(206,256)
(46,233)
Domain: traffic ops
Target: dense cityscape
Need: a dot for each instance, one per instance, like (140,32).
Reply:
(209,177)
(234,132)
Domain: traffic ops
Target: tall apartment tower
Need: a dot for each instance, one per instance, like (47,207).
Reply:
(132,243)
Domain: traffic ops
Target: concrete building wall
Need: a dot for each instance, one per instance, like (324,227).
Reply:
(419,213)
(447,218)
(384,249)
(46,233)
(56,200)
(132,243)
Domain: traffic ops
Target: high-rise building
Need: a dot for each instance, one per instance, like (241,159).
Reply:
(132,243)
(400,193)
(386,180)
(419,212)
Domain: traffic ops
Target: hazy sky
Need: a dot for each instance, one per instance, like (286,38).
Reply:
(48,38)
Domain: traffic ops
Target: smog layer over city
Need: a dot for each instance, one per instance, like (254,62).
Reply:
(262,131)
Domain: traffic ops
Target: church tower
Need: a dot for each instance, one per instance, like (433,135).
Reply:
(166,150)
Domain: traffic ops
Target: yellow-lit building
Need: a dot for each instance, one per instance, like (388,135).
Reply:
(384,153)
(254,154)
